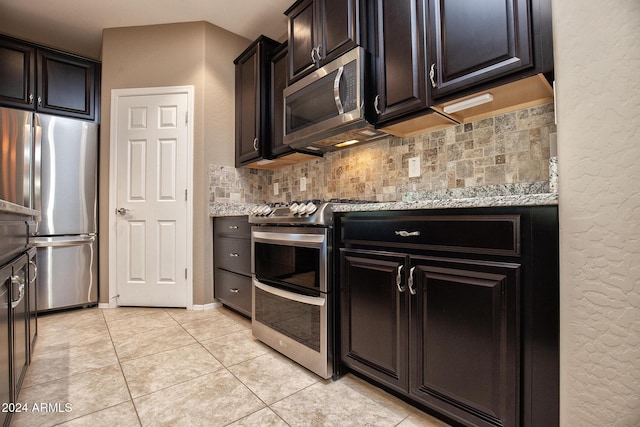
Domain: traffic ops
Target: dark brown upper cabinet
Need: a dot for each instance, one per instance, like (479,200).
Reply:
(321,30)
(472,43)
(48,81)
(253,101)
(401,79)
(66,85)
(17,73)
(278,71)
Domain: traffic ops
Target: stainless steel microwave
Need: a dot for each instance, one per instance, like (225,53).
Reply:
(325,110)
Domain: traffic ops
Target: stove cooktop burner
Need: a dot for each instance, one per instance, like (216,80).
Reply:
(307,212)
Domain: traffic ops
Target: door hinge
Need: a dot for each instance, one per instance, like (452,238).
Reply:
(185,194)
(185,273)
(186,117)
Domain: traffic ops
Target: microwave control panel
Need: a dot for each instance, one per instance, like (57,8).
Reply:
(350,88)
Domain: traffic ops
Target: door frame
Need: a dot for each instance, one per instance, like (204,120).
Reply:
(116,94)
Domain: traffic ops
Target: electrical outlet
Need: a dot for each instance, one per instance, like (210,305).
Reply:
(303,184)
(276,190)
(414,167)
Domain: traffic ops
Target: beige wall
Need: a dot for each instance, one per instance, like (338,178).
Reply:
(597,63)
(197,54)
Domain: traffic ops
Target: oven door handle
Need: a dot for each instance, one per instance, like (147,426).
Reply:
(270,237)
(304,299)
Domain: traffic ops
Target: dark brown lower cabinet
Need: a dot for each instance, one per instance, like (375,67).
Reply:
(464,347)
(455,311)
(232,262)
(374,316)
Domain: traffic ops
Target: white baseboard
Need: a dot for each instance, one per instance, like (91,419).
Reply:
(209,306)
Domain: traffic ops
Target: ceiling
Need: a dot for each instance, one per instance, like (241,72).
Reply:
(76,26)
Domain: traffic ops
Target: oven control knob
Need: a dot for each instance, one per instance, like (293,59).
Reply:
(293,208)
(302,209)
(311,208)
(266,210)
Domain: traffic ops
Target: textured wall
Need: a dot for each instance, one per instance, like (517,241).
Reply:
(597,54)
(194,53)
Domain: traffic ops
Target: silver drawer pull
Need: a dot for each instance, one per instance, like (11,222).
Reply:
(233,227)
(234,255)
(234,290)
(404,233)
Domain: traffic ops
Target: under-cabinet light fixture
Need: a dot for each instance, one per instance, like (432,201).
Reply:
(346,143)
(468,103)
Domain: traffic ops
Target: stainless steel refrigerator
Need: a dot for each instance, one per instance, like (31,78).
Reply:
(65,191)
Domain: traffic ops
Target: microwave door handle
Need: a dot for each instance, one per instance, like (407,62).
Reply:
(336,90)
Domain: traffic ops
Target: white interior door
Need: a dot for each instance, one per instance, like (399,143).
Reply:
(151,200)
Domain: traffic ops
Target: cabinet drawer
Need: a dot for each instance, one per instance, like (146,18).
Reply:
(234,290)
(490,234)
(232,226)
(233,254)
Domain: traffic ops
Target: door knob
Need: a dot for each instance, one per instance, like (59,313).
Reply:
(122,211)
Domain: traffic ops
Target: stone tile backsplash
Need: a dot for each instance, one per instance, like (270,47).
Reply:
(512,148)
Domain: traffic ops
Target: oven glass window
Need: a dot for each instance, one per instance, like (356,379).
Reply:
(296,320)
(287,264)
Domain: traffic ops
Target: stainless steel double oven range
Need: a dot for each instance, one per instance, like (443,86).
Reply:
(291,266)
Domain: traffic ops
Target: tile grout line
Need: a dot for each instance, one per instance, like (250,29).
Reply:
(121,370)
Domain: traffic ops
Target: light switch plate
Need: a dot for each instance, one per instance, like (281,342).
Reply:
(276,189)
(303,184)
(414,167)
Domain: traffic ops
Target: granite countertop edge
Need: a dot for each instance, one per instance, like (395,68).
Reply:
(12,208)
(542,199)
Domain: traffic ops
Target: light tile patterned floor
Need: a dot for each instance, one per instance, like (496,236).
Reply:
(169,367)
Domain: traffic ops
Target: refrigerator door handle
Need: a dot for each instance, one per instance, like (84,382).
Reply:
(60,242)
(37,163)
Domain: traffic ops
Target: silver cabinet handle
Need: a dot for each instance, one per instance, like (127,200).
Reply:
(16,280)
(234,290)
(336,90)
(410,280)
(399,279)
(255,144)
(313,58)
(376,104)
(122,211)
(233,227)
(403,233)
(35,272)
(432,75)
(30,98)
(234,255)
(39,101)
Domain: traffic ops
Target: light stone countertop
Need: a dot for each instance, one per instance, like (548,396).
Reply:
(12,208)
(494,196)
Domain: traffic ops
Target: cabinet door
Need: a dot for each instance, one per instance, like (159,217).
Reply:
(472,42)
(66,85)
(400,60)
(374,316)
(17,71)
(32,299)
(253,100)
(465,349)
(247,98)
(278,65)
(20,318)
(5,349)
(302,39)
(340,27)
